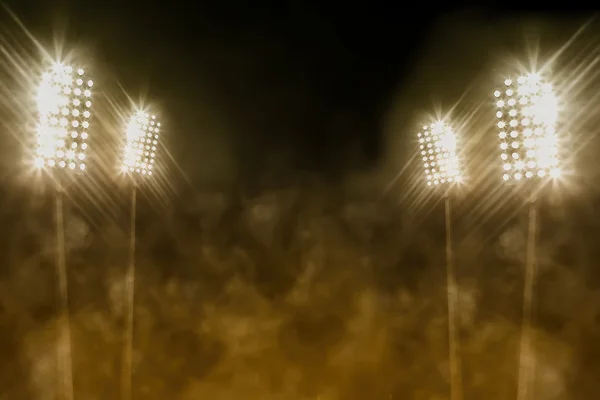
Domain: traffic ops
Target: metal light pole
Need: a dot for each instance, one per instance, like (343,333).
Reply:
(526,352)
(129,298)
(138,162)
(438,151)
(452,292)
(64,111)
(527,111)
(64,350)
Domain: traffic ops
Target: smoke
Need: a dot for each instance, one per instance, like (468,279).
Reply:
(40,352)
(298,295)
(288,297)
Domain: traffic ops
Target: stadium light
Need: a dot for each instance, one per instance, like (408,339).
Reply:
(527,111)
(438,151)
(64,111)
(139,154)
(527,114)
(142,140)
(64,106)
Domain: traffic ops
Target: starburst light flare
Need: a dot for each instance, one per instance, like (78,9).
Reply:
(64,104)
(527,111)
(142,140)
(438,150)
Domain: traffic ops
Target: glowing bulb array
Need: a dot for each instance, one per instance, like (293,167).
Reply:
(142,140)
(527,111)
(64,113)
(437,145)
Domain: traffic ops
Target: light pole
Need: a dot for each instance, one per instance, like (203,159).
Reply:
(64,104)
(138,162)
(438,151)
(527,110)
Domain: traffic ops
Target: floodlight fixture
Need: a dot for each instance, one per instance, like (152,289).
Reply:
(139,154)
(64,107)
(64,112)
(527,112)
(438,150)
(142,141)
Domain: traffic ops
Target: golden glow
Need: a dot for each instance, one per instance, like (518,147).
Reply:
(142,141)
(527,110)
(437,143)
(64,105)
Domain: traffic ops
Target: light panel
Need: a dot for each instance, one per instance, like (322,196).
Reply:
(527,110)
(64,105)
(142,141)
(438,150)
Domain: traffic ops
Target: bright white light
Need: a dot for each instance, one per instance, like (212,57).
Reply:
(142,141)
(63,119)
(438,150)
(527,110)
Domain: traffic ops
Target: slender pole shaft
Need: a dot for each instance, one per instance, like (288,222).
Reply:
(64,337)
(129,311)
(454,343)
(526,354)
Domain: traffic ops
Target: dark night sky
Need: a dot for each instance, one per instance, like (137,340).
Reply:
(259,86)
(296,77)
